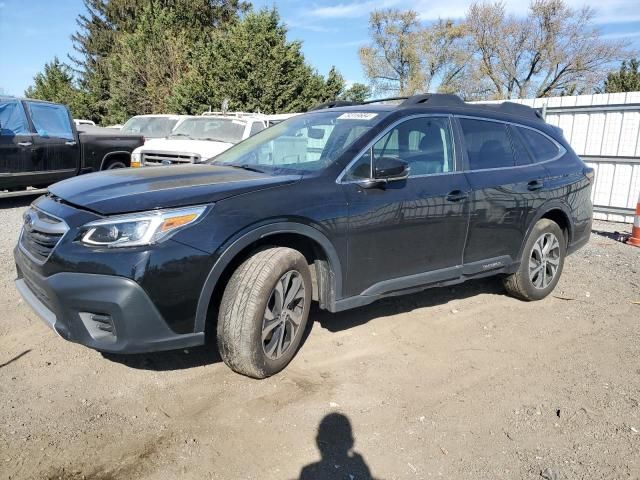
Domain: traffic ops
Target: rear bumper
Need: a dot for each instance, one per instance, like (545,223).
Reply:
(581,237)
(103,312)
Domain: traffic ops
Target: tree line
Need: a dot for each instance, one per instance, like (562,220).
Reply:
(185,56)
(134,57)
(553,50)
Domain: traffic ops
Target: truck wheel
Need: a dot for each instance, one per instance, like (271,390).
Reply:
(111,164)
(264,311)
(541,263)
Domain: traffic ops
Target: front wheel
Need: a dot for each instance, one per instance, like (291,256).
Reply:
(541,263)
(263,312)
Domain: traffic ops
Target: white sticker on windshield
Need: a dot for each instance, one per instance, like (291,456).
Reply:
(357,116)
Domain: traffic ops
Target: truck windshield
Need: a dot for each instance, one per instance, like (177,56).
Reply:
(228,130)
(150,127)
(304,143)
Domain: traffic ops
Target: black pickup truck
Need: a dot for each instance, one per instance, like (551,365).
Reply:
(40,145)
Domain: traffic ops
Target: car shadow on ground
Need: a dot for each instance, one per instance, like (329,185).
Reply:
(430,297)
(334,322)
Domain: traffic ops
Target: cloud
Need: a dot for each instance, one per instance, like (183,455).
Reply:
(620,35)
(610,11)
(351,9)
(352,43)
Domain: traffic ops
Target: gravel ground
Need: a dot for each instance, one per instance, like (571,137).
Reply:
(460,382)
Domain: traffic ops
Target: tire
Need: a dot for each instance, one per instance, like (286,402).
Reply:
(251,302)
(527,285)
(113,164)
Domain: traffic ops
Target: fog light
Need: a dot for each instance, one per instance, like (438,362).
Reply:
(100,326)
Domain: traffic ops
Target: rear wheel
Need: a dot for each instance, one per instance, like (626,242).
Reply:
(541,263)
(112,164)
(264,311)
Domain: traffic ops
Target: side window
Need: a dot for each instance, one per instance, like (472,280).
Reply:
(540,146)
(487,143)
(255,128)
(51,120)
(424,143)
(13,120)
(519,150)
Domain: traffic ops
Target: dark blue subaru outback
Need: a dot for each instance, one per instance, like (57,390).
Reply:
(343,205)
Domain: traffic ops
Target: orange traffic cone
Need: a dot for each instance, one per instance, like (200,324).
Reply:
(634,239)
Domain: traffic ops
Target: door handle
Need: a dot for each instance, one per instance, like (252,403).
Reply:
(70,143)
(25,144)
(456,196)
(535,185)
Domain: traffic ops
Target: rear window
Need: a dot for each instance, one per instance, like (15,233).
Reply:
(540,146)
(487,144)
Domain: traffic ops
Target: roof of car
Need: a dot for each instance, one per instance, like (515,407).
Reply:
(19,99)
(161,115)
(440,102)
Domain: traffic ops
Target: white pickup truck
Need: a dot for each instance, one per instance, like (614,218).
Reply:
(199,138)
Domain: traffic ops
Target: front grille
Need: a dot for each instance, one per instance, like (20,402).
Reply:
(41,233)
(153,159)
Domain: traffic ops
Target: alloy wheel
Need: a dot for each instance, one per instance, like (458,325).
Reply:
(283,315)
(544,260)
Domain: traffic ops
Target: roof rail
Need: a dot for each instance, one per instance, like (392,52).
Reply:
(346,103)
(333,104)
(520,110)
(434,100)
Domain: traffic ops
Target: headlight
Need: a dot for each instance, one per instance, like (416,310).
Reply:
(136,159)
(140,228)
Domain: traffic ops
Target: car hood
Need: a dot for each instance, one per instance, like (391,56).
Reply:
(205,148)
(138,189)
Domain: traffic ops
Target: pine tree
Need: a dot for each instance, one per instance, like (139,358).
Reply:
(627,79)
(57,84)
(256,68)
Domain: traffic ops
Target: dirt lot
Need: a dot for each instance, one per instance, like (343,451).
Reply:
(458,382)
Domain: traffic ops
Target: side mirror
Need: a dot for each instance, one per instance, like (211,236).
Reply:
(387,169)
(390,169)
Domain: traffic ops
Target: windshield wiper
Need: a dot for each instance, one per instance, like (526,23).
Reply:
(180,135)
(245,167)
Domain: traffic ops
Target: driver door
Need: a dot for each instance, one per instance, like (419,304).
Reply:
(411,232)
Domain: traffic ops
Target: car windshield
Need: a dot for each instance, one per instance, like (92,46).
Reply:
(304,143)
(150,127)
(228,130)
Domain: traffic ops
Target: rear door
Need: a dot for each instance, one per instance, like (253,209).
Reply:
(17,161)
(409,232)
(55,143)
(507,190)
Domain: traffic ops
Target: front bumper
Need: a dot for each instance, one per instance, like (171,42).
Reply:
(104,312)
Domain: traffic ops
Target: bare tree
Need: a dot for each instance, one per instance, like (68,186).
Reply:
(443,54)
(553,50)
(391,61)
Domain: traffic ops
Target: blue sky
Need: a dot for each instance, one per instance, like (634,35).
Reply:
(32,32)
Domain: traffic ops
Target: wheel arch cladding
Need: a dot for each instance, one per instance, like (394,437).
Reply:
(555,211)
(312,243)
(560,217)
(121,155)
